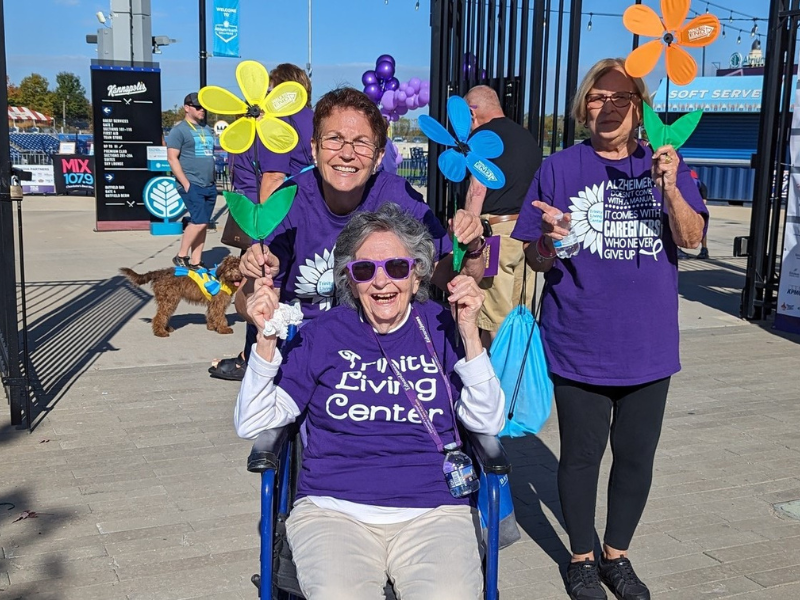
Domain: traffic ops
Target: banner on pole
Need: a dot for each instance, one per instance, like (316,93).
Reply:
(226,28)
(787,317)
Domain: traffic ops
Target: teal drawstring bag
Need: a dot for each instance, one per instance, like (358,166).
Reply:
(518,358)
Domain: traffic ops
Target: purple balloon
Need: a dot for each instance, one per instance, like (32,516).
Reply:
(410,101)
(424,96)
(385,69)
(392,84)
(415,83)
(374,92)
(387,100)
(401,109)
(400,96)
(425,84)
(394,117)
(387,58)
(369,78)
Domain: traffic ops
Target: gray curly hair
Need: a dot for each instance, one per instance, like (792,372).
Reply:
(389,217)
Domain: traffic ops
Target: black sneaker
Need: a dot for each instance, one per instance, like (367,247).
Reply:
(619,576)
(682,254)
(196,267)
(181,261)
(583,582)
(703,254)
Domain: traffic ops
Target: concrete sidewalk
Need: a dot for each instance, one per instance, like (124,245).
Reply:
(139,480)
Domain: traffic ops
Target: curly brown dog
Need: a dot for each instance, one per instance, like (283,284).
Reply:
(169,289)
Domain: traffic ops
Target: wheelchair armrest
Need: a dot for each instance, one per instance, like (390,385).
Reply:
(489,452)
(267,448)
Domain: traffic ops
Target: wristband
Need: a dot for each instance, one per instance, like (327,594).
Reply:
(478,251)
(543,253)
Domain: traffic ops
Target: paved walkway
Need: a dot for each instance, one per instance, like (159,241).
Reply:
(140,487)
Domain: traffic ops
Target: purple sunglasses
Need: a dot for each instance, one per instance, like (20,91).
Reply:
(364,270)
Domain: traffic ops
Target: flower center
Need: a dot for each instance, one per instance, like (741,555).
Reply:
(668,38)
(254,111)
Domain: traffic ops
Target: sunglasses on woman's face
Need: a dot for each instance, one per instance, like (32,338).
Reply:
(363,271)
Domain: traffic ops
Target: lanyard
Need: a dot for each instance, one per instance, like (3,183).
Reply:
(201,132)
(409,389)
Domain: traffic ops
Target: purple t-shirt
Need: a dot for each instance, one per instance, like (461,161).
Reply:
(391,158)
(243,169)
(609,314)
(304,241)
(364,442)
(291,163)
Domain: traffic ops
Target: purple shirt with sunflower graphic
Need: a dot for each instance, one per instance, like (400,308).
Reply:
(610,313)
(304,241)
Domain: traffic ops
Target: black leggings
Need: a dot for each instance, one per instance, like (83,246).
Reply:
(586,414)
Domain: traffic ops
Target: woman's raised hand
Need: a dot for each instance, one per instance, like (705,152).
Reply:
(465,293)
(262,303)
(550,220)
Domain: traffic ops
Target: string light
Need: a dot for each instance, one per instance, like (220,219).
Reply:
(589,26)
(417,6)
(739,39)
(730,19)
(723,31)
(755,28)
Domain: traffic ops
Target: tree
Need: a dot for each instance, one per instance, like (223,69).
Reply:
(12,91)
(69,98)
(35,94)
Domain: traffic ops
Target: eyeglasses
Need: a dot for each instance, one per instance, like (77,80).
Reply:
(620,99)
(360,147)
(195,107)
(364,271)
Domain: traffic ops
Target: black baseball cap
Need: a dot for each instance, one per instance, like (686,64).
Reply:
(192,100)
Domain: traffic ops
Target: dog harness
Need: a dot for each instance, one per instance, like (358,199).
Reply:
(206,280)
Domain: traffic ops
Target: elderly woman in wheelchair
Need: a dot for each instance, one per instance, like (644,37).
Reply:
(382,384)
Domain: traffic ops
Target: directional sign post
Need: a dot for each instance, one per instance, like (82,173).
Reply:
(127,120)
(162,200)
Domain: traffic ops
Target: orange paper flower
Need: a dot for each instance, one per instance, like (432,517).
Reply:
(643,20)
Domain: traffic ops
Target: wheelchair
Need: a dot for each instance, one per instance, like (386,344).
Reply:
(276,457)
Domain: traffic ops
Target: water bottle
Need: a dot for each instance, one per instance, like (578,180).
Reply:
(458,472)
(570,245)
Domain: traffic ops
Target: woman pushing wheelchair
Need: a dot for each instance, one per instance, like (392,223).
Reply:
(381,383)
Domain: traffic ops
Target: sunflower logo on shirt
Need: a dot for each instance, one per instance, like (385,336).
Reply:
(619,219)
(315,280)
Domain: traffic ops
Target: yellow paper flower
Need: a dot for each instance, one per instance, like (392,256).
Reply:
(643,20)
(261,110)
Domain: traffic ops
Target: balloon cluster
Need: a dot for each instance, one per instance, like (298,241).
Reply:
(395,98)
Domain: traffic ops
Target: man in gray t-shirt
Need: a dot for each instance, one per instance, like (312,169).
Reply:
(190,152)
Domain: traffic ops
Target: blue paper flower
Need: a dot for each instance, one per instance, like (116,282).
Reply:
(464,151)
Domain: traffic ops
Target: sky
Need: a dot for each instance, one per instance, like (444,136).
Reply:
(347,37)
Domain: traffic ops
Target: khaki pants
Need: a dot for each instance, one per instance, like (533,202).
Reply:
(434,556)
(503,291)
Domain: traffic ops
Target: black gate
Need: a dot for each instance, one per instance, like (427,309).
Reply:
(504,44)
(764,245)
(10,358)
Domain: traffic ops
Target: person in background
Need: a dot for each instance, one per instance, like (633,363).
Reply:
(257,173)
(372,501)
(609,318)
(520,158)
(190,153)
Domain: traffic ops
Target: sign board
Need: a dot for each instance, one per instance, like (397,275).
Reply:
(157,158)
(127,119)
(713,95)
(162,200)
(787,316)
(42,181)
(66,147)
(226,28)
(73,174)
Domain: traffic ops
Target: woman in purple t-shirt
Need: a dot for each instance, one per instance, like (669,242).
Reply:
(380,384)
(610,313)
